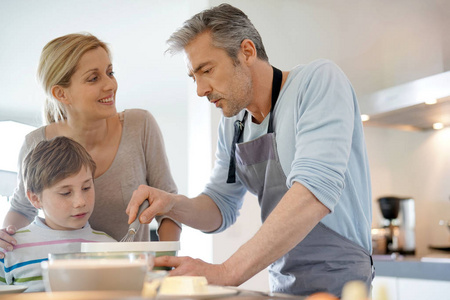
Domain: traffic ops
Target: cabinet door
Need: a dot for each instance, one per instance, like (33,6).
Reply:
(384,288)
(419,289)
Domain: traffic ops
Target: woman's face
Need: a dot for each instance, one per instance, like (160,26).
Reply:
(92,90)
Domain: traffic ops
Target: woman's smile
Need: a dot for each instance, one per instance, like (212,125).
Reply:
(109,100)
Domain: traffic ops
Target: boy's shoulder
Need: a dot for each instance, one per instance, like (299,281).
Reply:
(97,235)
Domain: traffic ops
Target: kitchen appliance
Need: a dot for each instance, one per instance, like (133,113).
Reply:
(414,105)
(400,217)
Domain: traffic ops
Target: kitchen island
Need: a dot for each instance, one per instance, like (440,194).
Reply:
(412,277)
(428,267)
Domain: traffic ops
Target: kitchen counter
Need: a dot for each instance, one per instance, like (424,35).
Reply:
(431,267)
(119,295)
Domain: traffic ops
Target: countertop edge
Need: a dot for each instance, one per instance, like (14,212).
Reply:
(413,269)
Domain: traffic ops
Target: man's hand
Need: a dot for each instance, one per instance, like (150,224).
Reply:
(187,266)
(6,240)
(160,202)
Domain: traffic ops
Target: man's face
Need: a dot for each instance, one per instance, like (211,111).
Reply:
(225,83)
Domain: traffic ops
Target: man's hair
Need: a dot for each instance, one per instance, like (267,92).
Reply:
(52,161)
(228,26)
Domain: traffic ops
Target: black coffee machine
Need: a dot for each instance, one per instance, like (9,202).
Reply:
(400,215)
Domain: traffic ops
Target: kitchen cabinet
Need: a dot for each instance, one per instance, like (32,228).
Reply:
(387,286)
(396,288)
(411,279)
(423,289)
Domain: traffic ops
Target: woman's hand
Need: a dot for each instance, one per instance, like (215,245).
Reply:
(7,242)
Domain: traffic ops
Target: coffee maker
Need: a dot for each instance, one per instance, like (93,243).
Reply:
(400,219)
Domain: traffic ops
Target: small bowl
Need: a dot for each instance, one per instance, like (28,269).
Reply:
(118,271)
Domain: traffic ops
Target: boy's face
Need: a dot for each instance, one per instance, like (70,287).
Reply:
(68,204)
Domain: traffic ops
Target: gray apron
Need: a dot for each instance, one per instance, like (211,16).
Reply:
(324,260)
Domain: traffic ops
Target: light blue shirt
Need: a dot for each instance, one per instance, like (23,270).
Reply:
(320,143)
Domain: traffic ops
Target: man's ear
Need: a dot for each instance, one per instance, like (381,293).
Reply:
(34,199)
(60,94)
(248,49)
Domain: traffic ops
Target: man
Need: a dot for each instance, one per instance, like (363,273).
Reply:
(304,156)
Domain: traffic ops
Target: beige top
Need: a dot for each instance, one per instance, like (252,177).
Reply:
(140,159)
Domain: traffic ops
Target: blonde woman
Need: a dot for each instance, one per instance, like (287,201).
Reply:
(77,75)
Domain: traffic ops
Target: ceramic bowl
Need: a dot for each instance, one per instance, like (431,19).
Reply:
(96,271)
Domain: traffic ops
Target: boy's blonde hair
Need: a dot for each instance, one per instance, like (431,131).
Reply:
(52,161)
(58,62)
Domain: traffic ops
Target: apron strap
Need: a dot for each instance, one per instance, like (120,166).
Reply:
(239,125)
(276,86)
(238,130)
(373,267)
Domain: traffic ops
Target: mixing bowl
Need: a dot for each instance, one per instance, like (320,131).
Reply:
(96,271)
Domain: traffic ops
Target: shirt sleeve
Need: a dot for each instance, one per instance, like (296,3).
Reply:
(324,130)
(227,196)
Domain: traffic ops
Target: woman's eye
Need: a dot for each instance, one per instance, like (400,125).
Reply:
(65,194)
(111,74)
(93,79)
(86,188)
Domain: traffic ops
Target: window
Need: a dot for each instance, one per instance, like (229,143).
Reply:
(12,135)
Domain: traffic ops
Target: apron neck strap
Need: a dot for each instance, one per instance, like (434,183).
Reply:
(239,125)
(238,130)
(276,87)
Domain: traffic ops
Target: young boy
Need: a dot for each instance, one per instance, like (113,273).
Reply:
(58,176)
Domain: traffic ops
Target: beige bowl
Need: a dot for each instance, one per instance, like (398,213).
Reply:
(131,247)
(96,271)
(158,248)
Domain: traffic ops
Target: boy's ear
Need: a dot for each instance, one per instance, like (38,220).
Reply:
(34,199)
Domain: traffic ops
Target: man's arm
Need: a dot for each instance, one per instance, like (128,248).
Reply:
(297,213)
(200,212)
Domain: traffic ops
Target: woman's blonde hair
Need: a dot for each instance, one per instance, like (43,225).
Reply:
(58,62)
